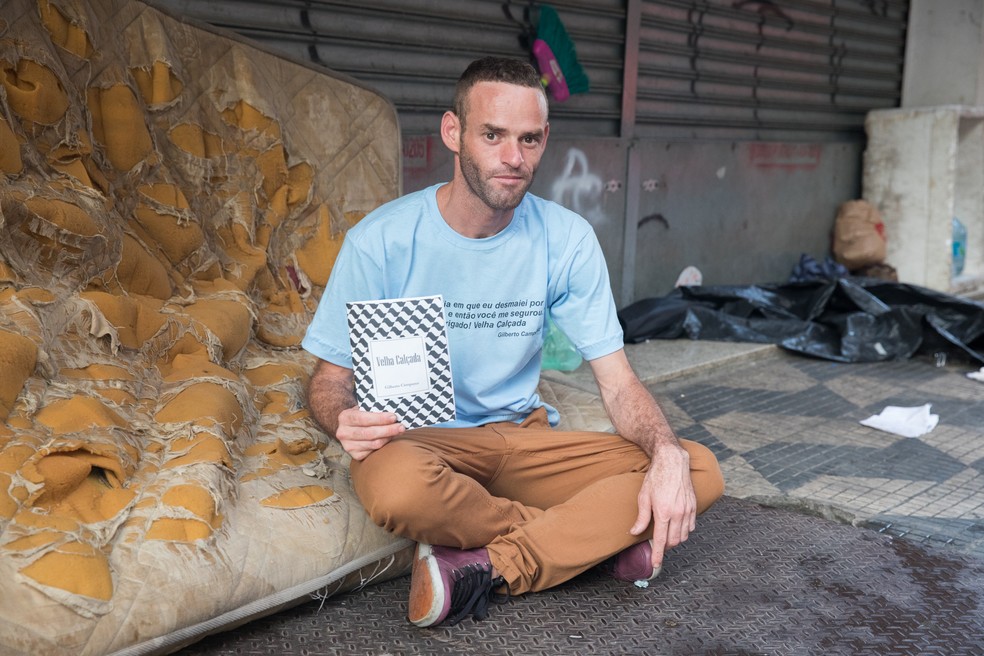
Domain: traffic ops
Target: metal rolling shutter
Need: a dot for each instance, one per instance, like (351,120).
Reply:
(413,50)
(777,70)
(755,69)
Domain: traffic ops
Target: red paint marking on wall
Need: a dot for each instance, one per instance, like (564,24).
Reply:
(789,157)
(415,152)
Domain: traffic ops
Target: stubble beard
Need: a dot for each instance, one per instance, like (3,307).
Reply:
(483,187)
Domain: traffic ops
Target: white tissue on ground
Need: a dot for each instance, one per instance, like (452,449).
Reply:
(977,375)
(907,422)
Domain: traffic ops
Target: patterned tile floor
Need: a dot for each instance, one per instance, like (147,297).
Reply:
(786,431)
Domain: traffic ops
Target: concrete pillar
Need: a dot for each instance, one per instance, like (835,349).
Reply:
(944,56)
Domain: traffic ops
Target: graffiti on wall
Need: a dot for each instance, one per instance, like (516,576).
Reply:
(580,190)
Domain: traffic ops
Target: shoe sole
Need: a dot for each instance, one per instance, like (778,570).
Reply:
(426,589)
(656,570)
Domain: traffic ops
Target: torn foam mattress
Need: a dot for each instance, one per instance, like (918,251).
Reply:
(171,202)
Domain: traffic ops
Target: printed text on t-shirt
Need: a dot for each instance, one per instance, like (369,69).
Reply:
(516,318)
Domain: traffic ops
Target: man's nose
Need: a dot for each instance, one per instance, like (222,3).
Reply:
(512,154)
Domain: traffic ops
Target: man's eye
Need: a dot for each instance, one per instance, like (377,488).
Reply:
(490,136)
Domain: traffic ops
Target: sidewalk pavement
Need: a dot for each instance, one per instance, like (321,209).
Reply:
(833,538)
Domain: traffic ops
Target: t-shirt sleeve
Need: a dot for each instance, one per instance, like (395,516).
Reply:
(581,301)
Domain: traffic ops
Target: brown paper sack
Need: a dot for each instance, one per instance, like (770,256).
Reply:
(859,235)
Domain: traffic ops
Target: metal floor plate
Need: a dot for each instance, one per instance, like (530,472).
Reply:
(751,580)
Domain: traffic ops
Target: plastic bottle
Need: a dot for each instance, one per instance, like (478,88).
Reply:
(959,247)
(559,352)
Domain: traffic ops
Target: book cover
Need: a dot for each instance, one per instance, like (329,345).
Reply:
(400,359)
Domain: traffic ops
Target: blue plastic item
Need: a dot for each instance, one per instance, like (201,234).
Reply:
(959,247)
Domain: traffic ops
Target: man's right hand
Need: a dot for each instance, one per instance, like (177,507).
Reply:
(332,402)
(361,432)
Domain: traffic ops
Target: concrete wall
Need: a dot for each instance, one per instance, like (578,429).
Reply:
(741,212)
(944,53)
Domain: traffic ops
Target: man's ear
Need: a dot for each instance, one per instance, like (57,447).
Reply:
(451,131)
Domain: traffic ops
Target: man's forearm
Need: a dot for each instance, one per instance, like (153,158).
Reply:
(328,395)
(637,417)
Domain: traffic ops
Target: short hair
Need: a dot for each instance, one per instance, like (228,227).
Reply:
(493,69)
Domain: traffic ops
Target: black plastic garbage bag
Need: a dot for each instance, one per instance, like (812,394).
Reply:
(843,319)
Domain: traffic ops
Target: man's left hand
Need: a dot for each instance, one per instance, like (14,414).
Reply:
(667,499)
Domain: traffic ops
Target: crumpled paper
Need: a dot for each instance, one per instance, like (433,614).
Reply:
(907,422)
(977,375)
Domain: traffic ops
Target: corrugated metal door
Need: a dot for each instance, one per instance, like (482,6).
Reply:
(755,69)
(737,69)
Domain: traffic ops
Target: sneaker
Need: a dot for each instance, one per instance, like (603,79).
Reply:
(450,584)
(633,564)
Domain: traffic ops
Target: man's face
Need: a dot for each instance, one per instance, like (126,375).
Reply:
(502,140)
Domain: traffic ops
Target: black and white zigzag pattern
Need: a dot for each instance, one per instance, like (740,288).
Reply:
(388,319)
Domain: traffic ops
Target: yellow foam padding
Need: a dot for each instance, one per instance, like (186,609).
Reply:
(33,91)
(118,124)
(187,366)
(18,357)
(274,373)
(246,117)
(201,448)
(189,342)
(204,404)
(34,541)
(274,402)
(9,500)
(75,567)
(74,157)
(136,318)
(317,256)
(12,458)
(64,33)
(273,215)
(300,178)
(7,275)
(230,321)
(10,150)
(298,451)
(279,455)
(273,167)
(158,84)
(77,413)
(168,222)
(248,258)
(67,216)
(99,372)
(178,530)
(117,380)
(79,484)
(139,272)
(283,320)
(195,141)
(61,474)
(31,295)
(195,500)
(298,497)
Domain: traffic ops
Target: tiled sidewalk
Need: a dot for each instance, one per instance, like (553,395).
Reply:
(786,431)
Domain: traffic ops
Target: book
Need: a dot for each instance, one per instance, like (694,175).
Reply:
(400,359)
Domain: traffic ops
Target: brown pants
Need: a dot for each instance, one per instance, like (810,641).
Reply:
(547,504)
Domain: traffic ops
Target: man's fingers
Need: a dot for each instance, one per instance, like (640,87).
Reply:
(355,417)
(659,543)
(644,517)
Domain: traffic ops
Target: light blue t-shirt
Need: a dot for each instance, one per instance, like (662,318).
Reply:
(495,290)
